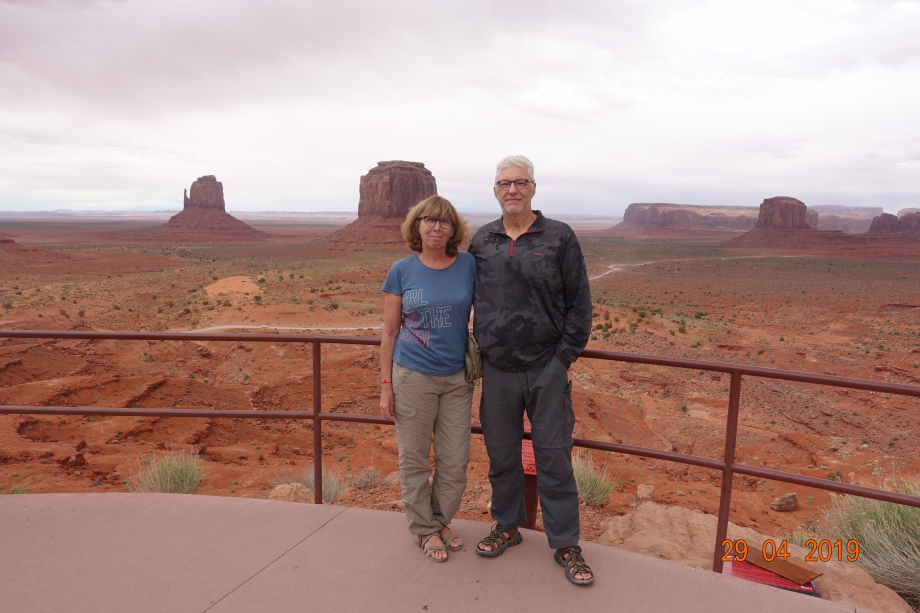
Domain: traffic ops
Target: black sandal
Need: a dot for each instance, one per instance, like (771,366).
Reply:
(497,541)
(573,562)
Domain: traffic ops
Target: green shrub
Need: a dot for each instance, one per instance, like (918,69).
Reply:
(173,473)
(888,534)
(592,480)
(333,484)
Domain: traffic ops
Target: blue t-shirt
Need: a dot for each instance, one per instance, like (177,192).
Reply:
(436,312)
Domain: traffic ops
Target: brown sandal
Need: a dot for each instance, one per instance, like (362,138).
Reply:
(428,551)
(571,560)
(497,541)
(448,539)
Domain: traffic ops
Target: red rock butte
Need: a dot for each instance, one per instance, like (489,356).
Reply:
(686,220)
(906,223)
(387,192)
(204,214)
(786,224)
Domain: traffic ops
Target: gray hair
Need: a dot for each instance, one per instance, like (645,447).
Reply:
(515,160)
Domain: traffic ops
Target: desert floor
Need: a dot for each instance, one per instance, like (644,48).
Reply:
(682,298)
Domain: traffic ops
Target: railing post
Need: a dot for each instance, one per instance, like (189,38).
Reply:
(725,500)
(317,425)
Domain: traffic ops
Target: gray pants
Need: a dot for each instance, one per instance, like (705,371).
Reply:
(426,405)
(545,393)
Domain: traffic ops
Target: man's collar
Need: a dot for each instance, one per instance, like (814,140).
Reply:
(537,226)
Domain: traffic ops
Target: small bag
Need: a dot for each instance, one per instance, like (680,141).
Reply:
(473,361)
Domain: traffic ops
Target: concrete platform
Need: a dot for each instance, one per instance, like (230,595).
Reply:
(176,553)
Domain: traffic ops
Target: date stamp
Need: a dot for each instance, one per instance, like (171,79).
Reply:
(823,549)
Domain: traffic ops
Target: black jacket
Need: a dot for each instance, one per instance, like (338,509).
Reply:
(533,299)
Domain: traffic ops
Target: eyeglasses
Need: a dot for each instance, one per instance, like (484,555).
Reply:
(430,221)
(506,185)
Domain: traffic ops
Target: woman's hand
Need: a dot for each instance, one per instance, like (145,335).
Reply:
(387,401)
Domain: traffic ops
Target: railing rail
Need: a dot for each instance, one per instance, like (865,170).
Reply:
(727,465)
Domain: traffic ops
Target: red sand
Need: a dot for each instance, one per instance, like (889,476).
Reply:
(839,315)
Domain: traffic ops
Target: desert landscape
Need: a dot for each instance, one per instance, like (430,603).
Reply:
(771,296)
(686,296)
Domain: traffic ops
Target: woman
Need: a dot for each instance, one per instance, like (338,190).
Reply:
(427,301)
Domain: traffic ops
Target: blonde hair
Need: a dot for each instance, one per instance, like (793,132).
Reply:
(439,207)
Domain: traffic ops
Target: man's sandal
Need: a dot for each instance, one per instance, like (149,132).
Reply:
(571,560)
(448,539)
(497,541)
(429,551)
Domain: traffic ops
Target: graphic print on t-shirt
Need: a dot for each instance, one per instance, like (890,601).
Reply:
(419,321)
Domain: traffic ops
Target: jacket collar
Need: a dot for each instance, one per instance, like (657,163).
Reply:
(498,227)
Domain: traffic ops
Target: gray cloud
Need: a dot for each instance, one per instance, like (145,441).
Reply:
(287,101)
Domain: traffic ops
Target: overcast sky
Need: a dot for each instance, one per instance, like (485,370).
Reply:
(119,105)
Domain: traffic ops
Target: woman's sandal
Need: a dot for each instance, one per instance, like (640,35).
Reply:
(428,551)
(571,560)
(497,541)
(448,539)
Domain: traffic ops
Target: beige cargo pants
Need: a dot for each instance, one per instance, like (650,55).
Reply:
(442,406)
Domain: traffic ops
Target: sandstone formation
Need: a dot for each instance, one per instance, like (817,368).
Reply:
(650,219)
(849,224)
(783,225)
(785,503)
(204,214)
(904,211)
(783,212)
(907,223)
(687,537)
(861,211)
(392,188)
(886,222)
(292,492)
(386,193)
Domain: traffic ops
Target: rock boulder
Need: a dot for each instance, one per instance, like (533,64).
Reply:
(785,503)
(688,537)
(292,492)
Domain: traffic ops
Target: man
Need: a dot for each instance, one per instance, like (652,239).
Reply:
(532,317)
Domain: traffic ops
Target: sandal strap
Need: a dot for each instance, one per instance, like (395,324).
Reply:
(448,538)
(423,541)
(497,537)
(574,562)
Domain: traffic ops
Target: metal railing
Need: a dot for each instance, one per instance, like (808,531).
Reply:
(727,466)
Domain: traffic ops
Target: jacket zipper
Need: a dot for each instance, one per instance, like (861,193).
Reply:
(514,240)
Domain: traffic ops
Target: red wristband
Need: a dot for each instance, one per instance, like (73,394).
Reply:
(382,381)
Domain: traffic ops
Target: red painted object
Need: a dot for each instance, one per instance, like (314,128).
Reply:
(755,574)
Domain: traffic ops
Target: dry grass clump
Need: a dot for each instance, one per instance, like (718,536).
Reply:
(177,472)
(593,480)
(367,478)
(888,534)
(333,483)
